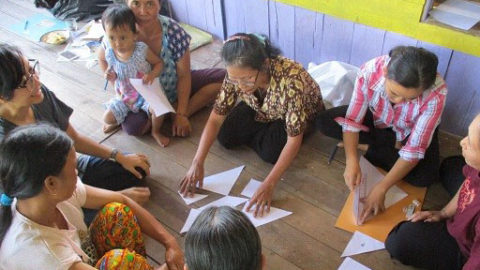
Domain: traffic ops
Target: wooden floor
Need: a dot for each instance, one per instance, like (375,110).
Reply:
(314,191)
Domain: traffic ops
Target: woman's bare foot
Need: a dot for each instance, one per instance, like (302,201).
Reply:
(107,128)
(138,194)
(162,140)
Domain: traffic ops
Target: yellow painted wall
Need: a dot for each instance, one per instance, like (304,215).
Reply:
(400,16)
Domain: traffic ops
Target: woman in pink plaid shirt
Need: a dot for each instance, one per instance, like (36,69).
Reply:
(395,108)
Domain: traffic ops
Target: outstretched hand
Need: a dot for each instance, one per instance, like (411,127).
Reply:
(261,200)
(193,178)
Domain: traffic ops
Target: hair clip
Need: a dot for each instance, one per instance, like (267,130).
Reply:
(5,200)
(232,38)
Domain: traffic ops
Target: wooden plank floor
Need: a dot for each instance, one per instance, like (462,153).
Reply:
(313,190)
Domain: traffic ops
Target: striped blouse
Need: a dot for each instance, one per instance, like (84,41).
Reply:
(414,119)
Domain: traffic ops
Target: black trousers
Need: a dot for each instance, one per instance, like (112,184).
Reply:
(381,151)
(240,128)
(429,245)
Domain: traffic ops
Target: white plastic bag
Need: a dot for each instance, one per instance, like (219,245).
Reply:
(336,80)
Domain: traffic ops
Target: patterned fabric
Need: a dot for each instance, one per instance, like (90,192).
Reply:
(127,99)
(292,96)
(465,224)
(122,259)
(115,226)
(417,118)
(175,42)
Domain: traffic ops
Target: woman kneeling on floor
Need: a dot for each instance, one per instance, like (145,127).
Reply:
(279,103)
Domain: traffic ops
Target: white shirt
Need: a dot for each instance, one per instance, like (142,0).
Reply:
(29,245)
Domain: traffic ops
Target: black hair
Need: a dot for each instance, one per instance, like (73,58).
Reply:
(248,50)
(28,155)
(12,70)
(412,67)
(119,15)
(223,238)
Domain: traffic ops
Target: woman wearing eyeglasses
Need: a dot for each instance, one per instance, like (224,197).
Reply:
(279,101)
(25,100)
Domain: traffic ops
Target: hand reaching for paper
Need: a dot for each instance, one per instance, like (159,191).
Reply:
(261,200)
(193,177)
(374,203)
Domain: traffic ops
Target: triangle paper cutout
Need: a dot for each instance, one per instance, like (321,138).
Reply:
(222,182)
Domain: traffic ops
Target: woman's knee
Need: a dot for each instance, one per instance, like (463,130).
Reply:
(224,137)
(326,124)
(135,123)
(397,243)
(270,156)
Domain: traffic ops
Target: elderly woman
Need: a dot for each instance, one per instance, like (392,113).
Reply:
(280,101)
(25,100)
(41,220)
(223,238)
(188,90)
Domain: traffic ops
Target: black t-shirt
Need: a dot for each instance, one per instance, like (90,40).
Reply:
(51,110)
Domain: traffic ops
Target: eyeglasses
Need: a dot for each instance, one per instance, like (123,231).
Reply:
(27,81)
(244,82)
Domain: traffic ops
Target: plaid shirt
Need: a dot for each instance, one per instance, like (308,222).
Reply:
(417,118)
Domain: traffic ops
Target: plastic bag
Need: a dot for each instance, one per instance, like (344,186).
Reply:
(336,80)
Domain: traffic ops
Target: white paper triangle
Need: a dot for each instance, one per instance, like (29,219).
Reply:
(225,201)
(274,214)
(351,264)
(361,243)
(222,182)
(196,197)
(251,188)
(190,219)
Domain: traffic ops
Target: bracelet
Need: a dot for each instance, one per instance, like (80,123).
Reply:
(113,155)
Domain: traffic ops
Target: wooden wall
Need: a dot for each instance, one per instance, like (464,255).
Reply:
(309,36)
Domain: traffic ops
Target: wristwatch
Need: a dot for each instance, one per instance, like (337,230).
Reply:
(113,155)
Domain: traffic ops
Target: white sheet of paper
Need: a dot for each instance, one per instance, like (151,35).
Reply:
(190,219)
(196,197)
(351,264)
(457,13)
(361,243)
(275,213)
(251,188)
(370,176)
(225,201)
(222,182)
(154,95)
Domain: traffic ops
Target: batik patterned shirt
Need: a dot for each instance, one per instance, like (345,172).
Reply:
(292,95)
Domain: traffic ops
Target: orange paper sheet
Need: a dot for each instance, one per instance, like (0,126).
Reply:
(379,226)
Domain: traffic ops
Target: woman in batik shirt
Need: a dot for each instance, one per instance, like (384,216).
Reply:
(279,100)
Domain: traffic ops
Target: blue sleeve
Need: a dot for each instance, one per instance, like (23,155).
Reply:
(178,40)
